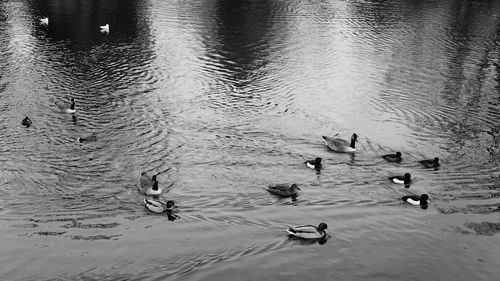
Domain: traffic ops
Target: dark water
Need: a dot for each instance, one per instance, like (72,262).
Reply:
(225,97)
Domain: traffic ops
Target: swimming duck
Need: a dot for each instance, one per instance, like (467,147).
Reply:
(406,179)
(87,138)
(149,185)
(64,107)
(393,157)
(430,163)
(340,145)
(308,231)
(283,190)
(105,28)
(314,164)
(26,122)
(157,206)
(44,21)
(422,200)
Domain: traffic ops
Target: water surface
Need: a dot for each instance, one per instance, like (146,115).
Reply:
(223,98)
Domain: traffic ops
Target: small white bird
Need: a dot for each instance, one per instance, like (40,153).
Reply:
(44,21)
(105,28)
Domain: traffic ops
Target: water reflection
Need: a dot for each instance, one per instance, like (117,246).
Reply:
(240,44)
(224,97)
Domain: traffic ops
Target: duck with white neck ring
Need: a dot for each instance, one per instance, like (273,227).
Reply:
(157,206)
(308,231)
(340,145)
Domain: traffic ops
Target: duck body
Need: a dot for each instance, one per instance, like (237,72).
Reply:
(44,21)
(87,138)
(422,200)
(430,163)
(149,185)
(396,157)
(314,164)
(405,179)
(157,206)
(104,28)
(26,122)
(65,108)
(283,190)
(340,145)
(308,231)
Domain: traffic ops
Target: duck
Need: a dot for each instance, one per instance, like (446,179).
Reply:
(44,21)
(340,145)
(406,179)
(284,190)
(308,231)
(314,164)
(26,122)
(149,185)
(105,28)
(64,107)
(430,163)
(396,157)
(90,138)
(422,200)
(157,206)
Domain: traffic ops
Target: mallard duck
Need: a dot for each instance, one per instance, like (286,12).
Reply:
(157,206)
(283,190)
(406,179)
(87,138)
(149,185)
(393,157)
(104,28)
(308,231)
(26,122)
(64,107)
(430,163)
(340,145)
(422,200)
(44,21)
(314,164)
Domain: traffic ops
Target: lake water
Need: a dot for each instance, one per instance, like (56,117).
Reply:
(225,97)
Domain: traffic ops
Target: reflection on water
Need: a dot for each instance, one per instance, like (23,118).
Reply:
(223,98)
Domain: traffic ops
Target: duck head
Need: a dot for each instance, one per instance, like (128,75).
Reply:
(295,187)
(317,161)
(398,154)
(155,182)
(322,226)
(424,199)
(72,106)
(407,178)
(354,139)
(435,161)
(170,204)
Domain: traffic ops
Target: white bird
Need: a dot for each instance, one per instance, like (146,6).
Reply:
(105,28)
(44,21)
